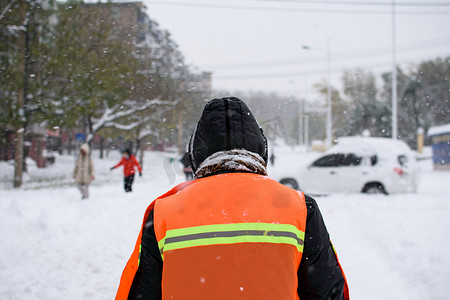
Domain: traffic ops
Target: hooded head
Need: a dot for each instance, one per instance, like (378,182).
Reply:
(84,148)
(127,153)
(226,124)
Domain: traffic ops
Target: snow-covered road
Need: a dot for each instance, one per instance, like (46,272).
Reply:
(55,246)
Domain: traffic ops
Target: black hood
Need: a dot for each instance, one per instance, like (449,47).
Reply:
(226,124)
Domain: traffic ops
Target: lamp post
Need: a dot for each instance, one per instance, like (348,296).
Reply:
(301,116)
(329,108)
(394,78)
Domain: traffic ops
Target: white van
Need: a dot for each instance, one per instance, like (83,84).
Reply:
(360,164)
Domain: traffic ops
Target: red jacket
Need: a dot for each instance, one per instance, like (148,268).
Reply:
(128,165)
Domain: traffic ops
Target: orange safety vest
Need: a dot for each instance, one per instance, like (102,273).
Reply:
(228,236)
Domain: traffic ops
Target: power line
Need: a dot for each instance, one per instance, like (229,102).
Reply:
(336,56)
(305,10)
(271,75)
(363,3)
(291,74)
(287,74)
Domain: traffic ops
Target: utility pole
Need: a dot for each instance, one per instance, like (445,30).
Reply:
(329,108)
(329,122)
(20,110)
(394,77)
(301,113)
(307,132)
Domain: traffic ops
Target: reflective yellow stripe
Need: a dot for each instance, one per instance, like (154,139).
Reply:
(139,259)
(231,234)
(161,244)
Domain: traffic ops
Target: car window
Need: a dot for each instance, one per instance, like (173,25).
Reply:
(351,160)
(402,160)
(331,160)
(373,160)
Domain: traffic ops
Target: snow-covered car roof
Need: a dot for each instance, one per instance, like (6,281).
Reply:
(368,146)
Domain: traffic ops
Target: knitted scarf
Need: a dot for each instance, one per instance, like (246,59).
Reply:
(236,160)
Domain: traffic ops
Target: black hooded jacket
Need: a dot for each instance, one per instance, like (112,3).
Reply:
(221,127)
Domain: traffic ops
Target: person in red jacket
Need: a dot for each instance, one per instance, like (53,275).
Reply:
(129,163)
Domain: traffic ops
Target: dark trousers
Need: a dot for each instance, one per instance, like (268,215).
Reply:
(189,176)
(128,182)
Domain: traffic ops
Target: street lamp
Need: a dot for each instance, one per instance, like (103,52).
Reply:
(394,78)
(329,108)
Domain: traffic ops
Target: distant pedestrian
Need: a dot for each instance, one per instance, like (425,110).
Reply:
(187,166)
(84,171)
(272,159)
(129,163)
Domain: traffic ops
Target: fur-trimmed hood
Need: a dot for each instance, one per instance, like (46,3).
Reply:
(230,161)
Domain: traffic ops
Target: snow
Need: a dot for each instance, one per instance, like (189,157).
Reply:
(56,246)
(370,146)
(438,130)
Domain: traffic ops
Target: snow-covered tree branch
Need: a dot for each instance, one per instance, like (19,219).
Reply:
(117,117)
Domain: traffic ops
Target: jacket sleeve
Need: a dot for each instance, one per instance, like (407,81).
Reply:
(147,281)
(319,275)
(122,160)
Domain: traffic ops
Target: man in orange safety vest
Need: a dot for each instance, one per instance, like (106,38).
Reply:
(232,232)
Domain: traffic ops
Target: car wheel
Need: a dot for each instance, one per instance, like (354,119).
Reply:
(374,188)
(290,182)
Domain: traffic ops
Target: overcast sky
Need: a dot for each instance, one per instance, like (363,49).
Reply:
(257,45)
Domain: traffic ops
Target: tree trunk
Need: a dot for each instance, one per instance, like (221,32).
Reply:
(70,143)
(18,158)
(101,147)
(139,148)
(141,158)
(18,155)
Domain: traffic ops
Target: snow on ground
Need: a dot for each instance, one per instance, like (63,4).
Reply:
(56,246)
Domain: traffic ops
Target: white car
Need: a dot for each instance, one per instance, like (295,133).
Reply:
(359,164)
